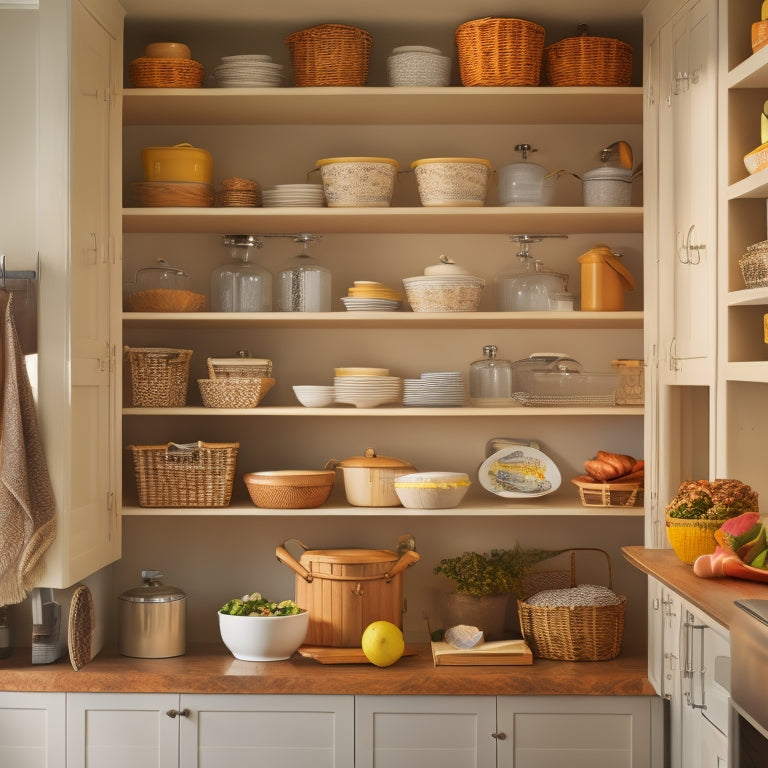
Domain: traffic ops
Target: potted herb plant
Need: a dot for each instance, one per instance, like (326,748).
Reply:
(483,584)
(699,508)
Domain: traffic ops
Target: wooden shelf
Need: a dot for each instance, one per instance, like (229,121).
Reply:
(626,320)
(381,106)
(416,220)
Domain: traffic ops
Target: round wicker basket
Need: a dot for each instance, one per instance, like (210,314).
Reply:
(289,488)
(692,538)
(150,72)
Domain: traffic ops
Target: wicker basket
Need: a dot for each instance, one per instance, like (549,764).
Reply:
(500,51)
(754,265)
(578,633)
(330,54)
(588,61)
(173,194)
(290,489)
(692,538)
(234,393)
(609,494)
(149,72)
(158,376)
(239,368)
(191,475)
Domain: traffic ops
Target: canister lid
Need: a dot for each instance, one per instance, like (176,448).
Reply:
(609,172)
(350,556)
(370,459)
(153,591)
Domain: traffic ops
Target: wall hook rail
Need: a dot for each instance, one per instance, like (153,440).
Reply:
(24,274)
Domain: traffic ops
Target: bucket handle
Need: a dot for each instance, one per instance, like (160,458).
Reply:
(409,557)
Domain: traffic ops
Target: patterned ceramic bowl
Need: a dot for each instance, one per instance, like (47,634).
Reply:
(446,181)
(358,182)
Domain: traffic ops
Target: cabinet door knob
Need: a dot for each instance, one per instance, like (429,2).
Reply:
(177,712)
(500,736)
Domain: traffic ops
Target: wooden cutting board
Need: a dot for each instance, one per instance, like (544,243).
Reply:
(327,655)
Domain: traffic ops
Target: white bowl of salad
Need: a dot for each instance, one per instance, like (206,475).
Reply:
(256,629)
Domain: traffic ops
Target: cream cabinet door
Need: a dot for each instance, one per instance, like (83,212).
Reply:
(122,730)
(418,731)
(32,732)
(79,127)
(580,732)
(233,731)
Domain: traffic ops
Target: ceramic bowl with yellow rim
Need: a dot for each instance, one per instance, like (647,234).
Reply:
(432,490)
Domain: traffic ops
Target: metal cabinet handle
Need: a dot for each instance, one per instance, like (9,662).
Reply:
(177,712)
(499,736)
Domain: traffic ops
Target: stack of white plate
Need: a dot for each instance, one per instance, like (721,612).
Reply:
(292,195)
(367,391)
(436,389)
(255,70)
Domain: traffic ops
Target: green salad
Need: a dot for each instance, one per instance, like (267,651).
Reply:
(256,605)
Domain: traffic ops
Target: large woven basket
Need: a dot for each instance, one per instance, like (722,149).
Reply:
(189,475)
(577,633)
(234,393)
(500,51)
(330,54)
(150,72)
(692,538)
(588,61)
(158,376)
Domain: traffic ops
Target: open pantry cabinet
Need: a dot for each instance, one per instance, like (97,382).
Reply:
(277,136)
(743,362)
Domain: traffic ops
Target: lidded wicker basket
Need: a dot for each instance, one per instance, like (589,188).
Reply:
(575,632)
(330,54)
(159,376)
(588,61)
(151,72)
(185,475)
(500,51)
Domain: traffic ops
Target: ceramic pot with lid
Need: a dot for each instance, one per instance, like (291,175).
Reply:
(152,619)
(369,480)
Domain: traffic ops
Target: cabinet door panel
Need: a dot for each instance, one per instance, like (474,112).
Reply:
(413,731)
(275,731)
(122,730)
(32,730)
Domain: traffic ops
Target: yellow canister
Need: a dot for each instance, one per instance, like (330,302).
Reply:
(604,280)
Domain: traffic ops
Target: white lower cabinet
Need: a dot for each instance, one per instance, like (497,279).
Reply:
(127,730)
(692,662)
(418,731)
(579,732)
(32,730)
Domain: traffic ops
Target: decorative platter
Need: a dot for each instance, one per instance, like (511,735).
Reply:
(519,472)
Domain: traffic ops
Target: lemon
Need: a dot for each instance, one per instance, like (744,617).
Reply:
(383,643)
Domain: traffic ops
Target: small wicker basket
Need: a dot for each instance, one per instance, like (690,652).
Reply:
(575,633)
(330,54)
(239,368)
(500,51)
(754,265)
(158,376)
(189,475)
(150,72)
(290,489)
(692,538)
(165,300)
(609,494)
(588,61)
(234,393)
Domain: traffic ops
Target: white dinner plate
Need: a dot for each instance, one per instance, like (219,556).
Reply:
(519,472)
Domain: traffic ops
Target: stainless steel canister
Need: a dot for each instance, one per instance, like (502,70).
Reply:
(152,619)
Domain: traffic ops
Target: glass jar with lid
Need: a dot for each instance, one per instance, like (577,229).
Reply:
(241,285)
(304,285)
(490,379)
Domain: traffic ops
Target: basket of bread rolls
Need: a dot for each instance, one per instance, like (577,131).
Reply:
(611,480)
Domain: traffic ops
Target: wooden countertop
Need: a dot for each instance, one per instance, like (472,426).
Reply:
(212,669)
(712,596)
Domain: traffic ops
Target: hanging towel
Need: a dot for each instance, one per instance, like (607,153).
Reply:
(27,505)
